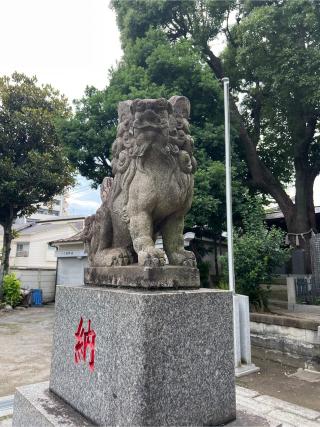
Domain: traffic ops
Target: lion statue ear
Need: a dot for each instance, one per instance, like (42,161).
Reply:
(105,188)
(124,110)
(181,106)
(134,105)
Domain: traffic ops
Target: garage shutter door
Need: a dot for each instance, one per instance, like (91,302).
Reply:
(70,271)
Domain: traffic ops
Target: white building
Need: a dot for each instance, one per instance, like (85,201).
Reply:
(56,208)
(31,248)
(32,259)
(71,260)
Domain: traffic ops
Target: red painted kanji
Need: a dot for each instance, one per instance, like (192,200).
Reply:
(85,341)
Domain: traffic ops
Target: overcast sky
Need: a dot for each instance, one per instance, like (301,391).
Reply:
(69,44)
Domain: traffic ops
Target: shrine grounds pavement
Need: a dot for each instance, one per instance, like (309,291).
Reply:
(273,397)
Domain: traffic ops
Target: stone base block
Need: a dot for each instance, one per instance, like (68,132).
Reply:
(161,358)
(137,276)
(244,370)
(36,406)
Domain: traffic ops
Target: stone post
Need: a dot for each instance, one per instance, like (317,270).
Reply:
(291,290)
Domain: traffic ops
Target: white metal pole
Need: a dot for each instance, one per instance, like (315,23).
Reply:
(228,183)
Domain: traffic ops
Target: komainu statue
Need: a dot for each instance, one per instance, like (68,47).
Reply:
(152,188)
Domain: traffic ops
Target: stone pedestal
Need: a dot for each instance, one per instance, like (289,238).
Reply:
(161,358)
(137,276)
(242,339)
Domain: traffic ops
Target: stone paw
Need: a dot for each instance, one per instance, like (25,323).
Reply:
(151,257)
(117,257)
(183,257)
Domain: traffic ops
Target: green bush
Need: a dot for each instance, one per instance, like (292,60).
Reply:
(204,270)
(11,290)
(257,252)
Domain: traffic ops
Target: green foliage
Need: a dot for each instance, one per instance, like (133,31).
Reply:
(11,289)
(257,252)
(178,18)
(272,57)
(273,60)
(33,167)
(154,67)
(204,268)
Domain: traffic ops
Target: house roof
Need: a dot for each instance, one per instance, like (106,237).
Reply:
(40,227)
(75,238)
(278,214)
(62,218)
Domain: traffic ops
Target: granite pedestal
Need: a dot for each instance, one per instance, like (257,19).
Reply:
(137,276)
(162,358)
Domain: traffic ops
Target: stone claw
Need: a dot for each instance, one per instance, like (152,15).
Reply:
(152,257)
(183,257)
(113,257)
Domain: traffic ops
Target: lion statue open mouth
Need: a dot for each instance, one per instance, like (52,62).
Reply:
(152,188)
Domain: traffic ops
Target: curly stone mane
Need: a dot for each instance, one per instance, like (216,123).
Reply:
(152,188)
(128,150)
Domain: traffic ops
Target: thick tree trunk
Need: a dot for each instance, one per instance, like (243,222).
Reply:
(261,176)
(301,220)
(299,216)
(7,238)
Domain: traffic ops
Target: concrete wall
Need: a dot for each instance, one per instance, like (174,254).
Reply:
(294,340)
(35,278)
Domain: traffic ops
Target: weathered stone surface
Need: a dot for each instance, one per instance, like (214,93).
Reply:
(162,358)
(133,276)
(36,406)
(152,189)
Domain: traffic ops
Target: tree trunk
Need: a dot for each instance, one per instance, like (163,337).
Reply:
(301,220)
(7,238)
(216,264)
(261,177)
(299,216)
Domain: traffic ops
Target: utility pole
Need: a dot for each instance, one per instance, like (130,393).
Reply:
(225,81)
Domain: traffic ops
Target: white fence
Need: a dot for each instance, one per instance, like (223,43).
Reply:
(38,278)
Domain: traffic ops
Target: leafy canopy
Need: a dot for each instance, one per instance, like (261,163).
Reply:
(273,59)
(152,67)
(33,167)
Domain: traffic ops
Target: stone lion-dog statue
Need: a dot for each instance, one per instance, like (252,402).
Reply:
(152,188)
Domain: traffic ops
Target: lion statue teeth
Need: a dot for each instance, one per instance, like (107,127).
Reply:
(152,188)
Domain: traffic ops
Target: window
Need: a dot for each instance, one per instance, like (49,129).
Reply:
(22,249)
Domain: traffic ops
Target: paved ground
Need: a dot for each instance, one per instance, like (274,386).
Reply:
(25,342)
(253,409)
(26,339)
(278,380)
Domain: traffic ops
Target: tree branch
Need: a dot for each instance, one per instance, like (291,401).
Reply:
(227,31)
(260,174)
